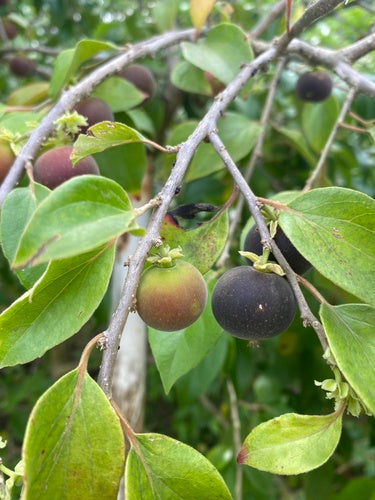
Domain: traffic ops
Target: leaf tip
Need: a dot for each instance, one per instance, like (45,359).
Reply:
(242,456)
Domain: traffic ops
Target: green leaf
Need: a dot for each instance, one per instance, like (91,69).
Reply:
(189,78)
(333,228)
(222,52)
(201,246)
(16,211)
(238,133)
(298,141)
(291,443)
(350,332)
(176,353)
(314,128)
(164,14)
(168,469)
(74,444)
(68,62)
(102,136)
(124,164)
(56,307)
(29,94)
(79,215)
(119,94)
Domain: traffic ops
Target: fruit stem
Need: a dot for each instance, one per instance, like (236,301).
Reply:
(164,256)
(265,255)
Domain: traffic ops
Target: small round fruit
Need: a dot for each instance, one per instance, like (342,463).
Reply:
(253,305)
(54,167)
(141,77)
(6,159)
(95,110)
(171,298)
(314,86)
(22,66)
(296,261)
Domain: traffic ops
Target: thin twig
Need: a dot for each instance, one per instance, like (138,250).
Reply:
(327,147)
(236,423)
(266,21)
(255,156)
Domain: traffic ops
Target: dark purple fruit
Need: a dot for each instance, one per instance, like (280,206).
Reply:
(314,86)
(54,167)
(171,298)
(296,261)
(253,305)
(22,66)
(141,77)
(95,110)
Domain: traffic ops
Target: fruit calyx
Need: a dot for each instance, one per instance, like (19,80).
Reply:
(165,256)
(260,262)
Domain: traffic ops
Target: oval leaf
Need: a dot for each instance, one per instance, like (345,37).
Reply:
(199,11)
(102,136)
(119,94)
(291,443)
(222,52)
(56,307)
(334,229)
(350,332)
(16,211)
(201,246)
(68,62)
(74,445)
(78,216)
(168,469)
(315,129)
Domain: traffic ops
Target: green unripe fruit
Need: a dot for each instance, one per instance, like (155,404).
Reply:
(22,66)
(6,159)
(95,110)
(314,86)
(253,305)
(54,167)
(141,77)
(171,298)
(296,261)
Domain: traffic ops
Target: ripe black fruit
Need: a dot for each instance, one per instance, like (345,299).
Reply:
(141,77)
(95,110)
(171,298)
(314,86)
(253,305)
(296,261)
(22,66)
(54,167)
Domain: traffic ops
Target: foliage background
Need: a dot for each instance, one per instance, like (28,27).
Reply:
(278,377)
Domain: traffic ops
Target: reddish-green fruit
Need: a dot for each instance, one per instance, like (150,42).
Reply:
(141,77)
(22,66)
(296,261)
(253,305)
(314,86)
(10,28)
(95,110)
(171,298)
(54,167)
(6,159)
